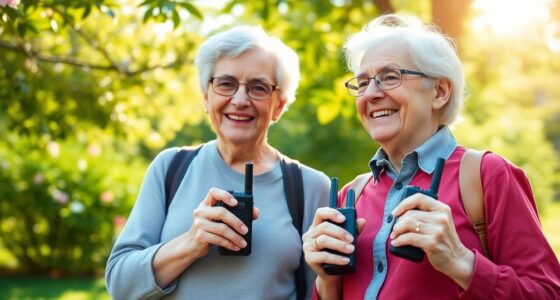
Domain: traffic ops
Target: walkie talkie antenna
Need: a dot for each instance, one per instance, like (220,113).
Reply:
(350,198)
(334,192)
(436,178)
(249,178)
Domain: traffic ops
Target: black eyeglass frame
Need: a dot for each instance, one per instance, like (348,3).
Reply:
(352,88)
(247,90)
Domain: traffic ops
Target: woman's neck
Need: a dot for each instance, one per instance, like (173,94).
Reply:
(263,156)
(397,152)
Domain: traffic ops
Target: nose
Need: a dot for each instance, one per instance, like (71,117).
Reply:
(240,98)
(373,92)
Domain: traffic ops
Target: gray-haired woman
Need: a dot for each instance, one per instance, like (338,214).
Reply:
(248,80)
(408,86)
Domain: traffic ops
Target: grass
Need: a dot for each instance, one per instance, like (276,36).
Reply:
(40,288)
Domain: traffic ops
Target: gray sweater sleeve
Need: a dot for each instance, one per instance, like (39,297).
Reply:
(129,273)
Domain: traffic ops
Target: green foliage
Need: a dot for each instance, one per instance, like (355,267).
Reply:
(111,83)
(59,207)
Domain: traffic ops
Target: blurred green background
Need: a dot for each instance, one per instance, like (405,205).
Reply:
(91,91)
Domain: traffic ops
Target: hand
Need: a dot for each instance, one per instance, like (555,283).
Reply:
(212,225)
(324,235)
(426,223)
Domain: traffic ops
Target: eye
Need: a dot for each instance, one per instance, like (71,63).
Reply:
(389,75)
(225,83)
(363,82)
(260,87)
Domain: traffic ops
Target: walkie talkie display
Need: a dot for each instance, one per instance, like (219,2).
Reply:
(243,210)
(349,225)
(412,253)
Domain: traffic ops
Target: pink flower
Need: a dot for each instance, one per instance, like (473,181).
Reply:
(10,3)
(107,197)
(60,196)
(38,178)
(119,221)
(94,150)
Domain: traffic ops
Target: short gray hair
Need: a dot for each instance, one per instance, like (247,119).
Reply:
(234,42)
(432,52)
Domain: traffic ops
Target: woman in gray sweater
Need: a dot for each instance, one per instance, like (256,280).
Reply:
(248,80)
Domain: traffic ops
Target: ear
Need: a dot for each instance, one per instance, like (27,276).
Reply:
(442,91)
(279,108)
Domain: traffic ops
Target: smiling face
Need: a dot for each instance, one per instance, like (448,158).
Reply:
(402,118)
(238,119)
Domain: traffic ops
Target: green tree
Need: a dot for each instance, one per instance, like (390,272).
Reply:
(92,90)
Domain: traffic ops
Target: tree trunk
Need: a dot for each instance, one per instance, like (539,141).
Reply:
(450,16)
(384,6)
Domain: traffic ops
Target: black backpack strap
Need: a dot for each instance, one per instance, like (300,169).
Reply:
(176,171)
(293,189)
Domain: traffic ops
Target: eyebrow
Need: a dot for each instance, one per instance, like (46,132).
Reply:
(257,79)
(390,66)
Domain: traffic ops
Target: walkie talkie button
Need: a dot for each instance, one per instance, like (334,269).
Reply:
(398,186)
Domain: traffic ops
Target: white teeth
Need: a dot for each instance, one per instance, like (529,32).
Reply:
(239,118)
(382,113)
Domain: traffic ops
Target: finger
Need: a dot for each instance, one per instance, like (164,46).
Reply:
(334,231)
(223,215)
(324,257)
(326,213)
(410,222)
(213,239)
(214,195)
(416,201)
(223,231)
(327,242)
(425,237)
(256,213)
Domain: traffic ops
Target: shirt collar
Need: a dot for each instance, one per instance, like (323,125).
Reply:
(441,144)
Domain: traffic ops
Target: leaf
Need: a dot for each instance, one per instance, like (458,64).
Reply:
(176,18)
(107,10)
(87,11)
(147,14)
(192,10)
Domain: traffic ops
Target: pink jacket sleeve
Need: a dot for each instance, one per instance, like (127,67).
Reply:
(522,264)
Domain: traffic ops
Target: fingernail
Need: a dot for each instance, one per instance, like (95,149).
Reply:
(244,229)
(349,238)
(340,218)
(233,201)
(243,244)
(350,247)
(345,260)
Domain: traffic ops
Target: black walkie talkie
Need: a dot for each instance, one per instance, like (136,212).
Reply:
(243,210)
(412,253)
(349,225)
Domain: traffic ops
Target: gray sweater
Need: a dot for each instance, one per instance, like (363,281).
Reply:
(268,273)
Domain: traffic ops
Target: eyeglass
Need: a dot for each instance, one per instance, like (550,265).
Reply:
(228,86)
(386,79)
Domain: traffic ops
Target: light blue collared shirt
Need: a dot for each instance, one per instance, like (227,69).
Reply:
(441,144)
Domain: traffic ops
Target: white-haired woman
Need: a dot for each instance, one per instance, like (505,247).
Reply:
(248,79)
(409,87)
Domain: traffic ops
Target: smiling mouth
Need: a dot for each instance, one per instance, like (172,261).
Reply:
(382,113)
(239,118)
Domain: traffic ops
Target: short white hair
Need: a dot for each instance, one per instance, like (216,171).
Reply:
(432,53)
(234,42)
